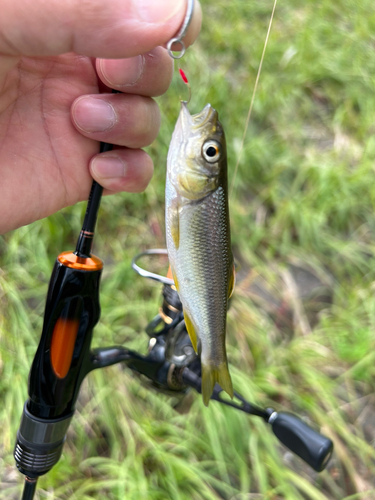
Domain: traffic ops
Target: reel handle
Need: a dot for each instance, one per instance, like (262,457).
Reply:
(312,447)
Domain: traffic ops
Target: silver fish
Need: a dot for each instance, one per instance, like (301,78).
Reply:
(198,238)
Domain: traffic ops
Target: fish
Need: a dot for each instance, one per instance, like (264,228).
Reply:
(198,238)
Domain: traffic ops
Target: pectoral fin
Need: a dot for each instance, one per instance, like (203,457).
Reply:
(191,331)
(174,220)
(211,375)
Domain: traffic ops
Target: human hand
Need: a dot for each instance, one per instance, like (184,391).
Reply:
(55,58)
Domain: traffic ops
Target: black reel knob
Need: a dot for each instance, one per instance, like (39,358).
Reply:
(312,447)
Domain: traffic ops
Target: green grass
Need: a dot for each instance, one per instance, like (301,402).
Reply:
(304,197)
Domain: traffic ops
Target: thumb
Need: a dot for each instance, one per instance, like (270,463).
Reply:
(95,28)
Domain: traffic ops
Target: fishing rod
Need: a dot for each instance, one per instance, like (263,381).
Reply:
(63,357)
(171,365)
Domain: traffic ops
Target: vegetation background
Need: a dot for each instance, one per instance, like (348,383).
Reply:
(300,335)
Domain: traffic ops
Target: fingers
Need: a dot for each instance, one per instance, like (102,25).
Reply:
(147,75)
(130,119)
(125,120)
(110,29)
(122,170)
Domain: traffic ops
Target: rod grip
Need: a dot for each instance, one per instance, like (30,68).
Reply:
(312,447)
(63,356)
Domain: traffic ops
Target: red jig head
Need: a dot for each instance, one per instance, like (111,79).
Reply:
(185,80)
(183,76)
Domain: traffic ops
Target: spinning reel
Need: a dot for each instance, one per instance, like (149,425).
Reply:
(64,357)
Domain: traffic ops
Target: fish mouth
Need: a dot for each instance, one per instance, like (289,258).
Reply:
(199,120)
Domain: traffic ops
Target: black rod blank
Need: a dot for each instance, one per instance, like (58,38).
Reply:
(29,488)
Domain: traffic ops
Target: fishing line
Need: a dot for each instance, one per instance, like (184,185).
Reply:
(252,99)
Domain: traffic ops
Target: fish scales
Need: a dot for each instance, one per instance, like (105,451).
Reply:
(198,238)
(205,273)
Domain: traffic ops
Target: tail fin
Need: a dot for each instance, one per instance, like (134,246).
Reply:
(211,375)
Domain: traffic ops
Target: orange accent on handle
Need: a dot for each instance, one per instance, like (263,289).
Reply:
(169,274)
(62,345)
(69,259)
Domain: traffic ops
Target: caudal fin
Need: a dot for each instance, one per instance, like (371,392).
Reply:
(211,375)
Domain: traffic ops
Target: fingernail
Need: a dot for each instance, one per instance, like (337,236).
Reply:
(157,11)
(108,167)
(94,115)
(123,73)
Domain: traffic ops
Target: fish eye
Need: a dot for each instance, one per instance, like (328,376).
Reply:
(211,151)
